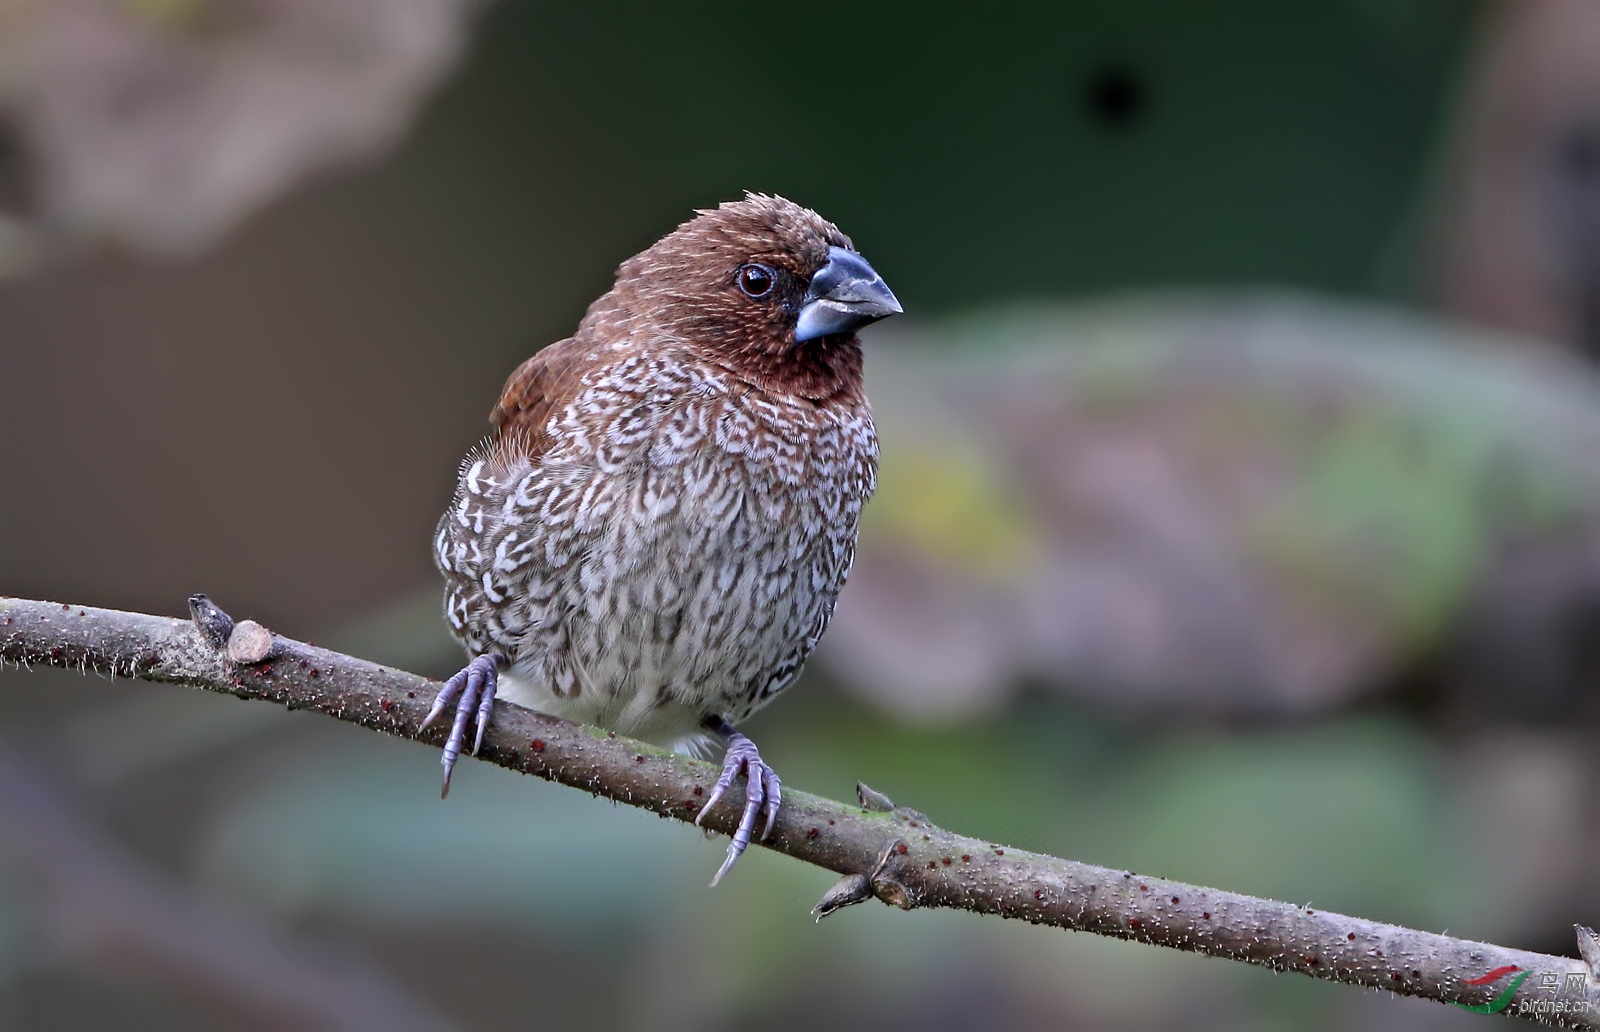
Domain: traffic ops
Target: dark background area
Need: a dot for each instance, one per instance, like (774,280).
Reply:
(356,330)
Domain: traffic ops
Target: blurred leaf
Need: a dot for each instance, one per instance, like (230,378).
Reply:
(1254,504)
(161,124)
(1354,817)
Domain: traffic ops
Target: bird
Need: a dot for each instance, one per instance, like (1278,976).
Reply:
(652,537)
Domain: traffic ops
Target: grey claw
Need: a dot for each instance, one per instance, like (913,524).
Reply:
(475,684)
(762,791)
(727,865)
(716,793)
(446,696)
(772,788)
(485,709)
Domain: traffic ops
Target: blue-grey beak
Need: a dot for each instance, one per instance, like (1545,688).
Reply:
(845,295)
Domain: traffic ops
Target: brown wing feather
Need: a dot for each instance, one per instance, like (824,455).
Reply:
(538,386)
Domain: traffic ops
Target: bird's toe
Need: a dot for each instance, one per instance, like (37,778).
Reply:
(471,689)
(762,792)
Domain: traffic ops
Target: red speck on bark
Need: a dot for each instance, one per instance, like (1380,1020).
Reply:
(812,833)
(386,705)
(901,849)
(537,745)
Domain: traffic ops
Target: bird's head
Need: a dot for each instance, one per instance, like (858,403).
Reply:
(763,286)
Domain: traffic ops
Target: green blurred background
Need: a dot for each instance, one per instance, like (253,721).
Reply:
(1239,522)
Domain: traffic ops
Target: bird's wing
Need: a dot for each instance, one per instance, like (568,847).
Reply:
(537,387)
(493,540)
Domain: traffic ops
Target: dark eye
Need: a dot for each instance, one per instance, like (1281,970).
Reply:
(756,280)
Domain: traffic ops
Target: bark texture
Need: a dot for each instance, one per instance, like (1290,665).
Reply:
(885,851)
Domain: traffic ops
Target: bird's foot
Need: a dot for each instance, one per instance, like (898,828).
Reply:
(475,686)
(762,790)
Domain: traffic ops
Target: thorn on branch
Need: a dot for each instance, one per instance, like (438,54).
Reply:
(858,888)
(872,799)
(1589,949)
(214,625)
(847,891)
(1033,887)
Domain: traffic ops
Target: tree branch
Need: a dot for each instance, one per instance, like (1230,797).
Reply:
(892,853)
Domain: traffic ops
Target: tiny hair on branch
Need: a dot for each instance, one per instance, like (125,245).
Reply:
(881,850)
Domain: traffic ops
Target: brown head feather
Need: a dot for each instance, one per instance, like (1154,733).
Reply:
(685,289)
(685,286)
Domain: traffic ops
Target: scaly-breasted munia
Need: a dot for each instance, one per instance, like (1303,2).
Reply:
(653,536)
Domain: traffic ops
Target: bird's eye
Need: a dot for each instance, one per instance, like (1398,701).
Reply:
(756,280)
